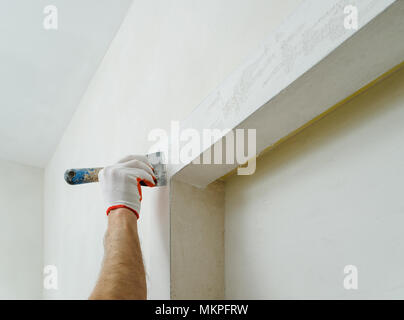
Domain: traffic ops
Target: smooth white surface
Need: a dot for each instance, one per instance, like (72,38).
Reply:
(197,241)
(329,197)
(44,73)
(165,58)
(309,54)
(21,230)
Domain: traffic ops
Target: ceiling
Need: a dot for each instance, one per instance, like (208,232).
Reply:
(44,73)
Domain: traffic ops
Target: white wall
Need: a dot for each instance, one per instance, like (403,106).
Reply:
(329,197)
(41,80)
(167,56)
(21,200)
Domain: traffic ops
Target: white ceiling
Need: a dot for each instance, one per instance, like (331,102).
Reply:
(44,73)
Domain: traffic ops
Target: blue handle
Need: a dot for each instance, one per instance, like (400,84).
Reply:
(80,176)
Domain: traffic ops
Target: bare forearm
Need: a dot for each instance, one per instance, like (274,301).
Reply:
(122,275)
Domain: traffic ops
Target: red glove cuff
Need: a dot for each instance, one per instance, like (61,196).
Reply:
(122,206)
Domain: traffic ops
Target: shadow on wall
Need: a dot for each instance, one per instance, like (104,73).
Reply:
(345,120)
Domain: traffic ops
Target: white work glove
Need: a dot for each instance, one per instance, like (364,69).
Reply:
(120,183)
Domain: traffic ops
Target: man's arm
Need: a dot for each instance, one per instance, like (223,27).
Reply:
(122,275)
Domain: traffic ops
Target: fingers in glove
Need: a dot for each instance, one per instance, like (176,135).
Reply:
(131,157)
(142,175)
(140,165)
(135,157)
(141,158)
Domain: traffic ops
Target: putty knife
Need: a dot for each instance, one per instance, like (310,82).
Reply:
(87,175)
